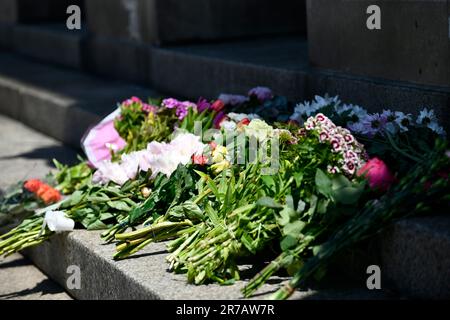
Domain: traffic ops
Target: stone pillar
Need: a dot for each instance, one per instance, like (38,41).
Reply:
(412,45)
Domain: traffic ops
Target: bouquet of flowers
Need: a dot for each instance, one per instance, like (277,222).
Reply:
(223,185)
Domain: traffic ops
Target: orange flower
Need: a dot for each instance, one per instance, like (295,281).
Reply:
(51,196)
(33,185)
(43,188)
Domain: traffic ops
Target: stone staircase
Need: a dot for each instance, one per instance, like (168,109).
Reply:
(62,91)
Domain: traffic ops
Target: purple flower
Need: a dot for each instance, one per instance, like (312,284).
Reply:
(221,116)
(170,103)
(232,99)
(181,107)
(262,93)
(203,104)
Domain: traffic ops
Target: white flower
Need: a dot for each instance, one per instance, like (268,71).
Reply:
(403,120)
(434,126)
(110,171)
(426,116)
(228,125)
(159,157)
(259,129)
(57,221)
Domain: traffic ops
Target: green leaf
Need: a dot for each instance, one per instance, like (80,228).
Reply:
(97,225)
(323,183)
(294,229)
(119,205)
(288,242)
(347,195)
(268,202)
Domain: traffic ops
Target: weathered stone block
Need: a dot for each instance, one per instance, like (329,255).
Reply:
(412,45)
(164,21)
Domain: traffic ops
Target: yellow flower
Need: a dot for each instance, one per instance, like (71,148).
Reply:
(219,153)
(219,167)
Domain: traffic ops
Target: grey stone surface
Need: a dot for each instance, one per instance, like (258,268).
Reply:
(31,92)
(6,32)
(117,58)
(8,11)
(21,280)
(26,154)
(416,257)
(15,11)
(52,43)
(145,276)
(412,45)
(165,21)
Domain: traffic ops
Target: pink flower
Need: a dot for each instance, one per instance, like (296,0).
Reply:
(320,117)
(378,174)
(147,108)
(100,140)
(323,136)
(131,101)
(200,159)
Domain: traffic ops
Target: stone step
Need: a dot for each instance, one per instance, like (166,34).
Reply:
(145,275)
(21,280)
(59,102)
(50,43)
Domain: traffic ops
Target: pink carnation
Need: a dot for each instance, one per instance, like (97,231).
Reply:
(378,174)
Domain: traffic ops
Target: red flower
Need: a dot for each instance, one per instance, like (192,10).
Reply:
(43,188)
(218,105)
(378,174)
(51,196)
(244,122)
(33,185)
(200,159)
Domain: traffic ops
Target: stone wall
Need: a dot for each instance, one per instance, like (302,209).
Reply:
(412,45)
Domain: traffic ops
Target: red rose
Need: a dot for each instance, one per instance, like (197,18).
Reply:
(32,185)
(243,122)
(378,174)
(218,105)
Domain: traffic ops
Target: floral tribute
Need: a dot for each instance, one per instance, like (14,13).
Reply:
(339,174)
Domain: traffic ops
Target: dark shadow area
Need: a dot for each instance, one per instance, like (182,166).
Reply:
(147,254)
(61,153)
(44,287)
(15,263)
